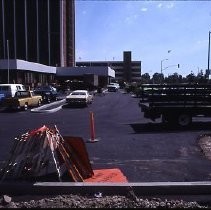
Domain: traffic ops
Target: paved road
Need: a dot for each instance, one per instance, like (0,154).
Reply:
(144,151)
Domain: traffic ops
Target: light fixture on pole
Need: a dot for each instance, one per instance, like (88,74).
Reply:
(161,65)
(8,63)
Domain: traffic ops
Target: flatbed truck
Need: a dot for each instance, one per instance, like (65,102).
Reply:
(176,104)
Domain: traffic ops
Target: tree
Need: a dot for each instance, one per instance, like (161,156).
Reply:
(174,78)
(191,78)
(157,78)
(145,78)
(201,78)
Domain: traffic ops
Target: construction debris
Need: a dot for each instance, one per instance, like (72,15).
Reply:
(44,151)
(107,175)
(44,154)
(6,199)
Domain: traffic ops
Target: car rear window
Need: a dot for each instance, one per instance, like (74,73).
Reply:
(22,94)
(78,93)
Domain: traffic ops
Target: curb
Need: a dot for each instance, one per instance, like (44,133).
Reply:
(114,188)
(42,109)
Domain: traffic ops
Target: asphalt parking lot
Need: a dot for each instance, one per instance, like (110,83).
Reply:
(144,151)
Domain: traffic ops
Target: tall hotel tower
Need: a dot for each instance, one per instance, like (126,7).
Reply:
(41,31)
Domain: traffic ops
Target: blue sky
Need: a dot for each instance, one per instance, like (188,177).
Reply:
(149,29)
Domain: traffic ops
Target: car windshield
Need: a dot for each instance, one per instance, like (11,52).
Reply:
(43,88)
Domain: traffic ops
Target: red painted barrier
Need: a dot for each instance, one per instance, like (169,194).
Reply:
(92,129)
(107,175)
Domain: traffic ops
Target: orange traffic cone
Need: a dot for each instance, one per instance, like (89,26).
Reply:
(92,129)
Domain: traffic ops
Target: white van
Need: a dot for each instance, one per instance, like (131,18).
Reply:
(9,90)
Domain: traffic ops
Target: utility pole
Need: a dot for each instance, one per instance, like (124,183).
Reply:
(8,62)
(208,67)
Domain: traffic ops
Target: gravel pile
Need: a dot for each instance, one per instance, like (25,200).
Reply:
(97,201)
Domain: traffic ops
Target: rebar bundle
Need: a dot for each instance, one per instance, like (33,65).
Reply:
(43,151)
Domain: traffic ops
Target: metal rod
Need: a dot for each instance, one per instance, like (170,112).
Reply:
(14,30)
(3,29)
(208,67)
(8,63)
(49,35)
(26,29)
(38,41)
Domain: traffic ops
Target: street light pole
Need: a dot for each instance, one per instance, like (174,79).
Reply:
(8,63)
(208,67)
(161,65)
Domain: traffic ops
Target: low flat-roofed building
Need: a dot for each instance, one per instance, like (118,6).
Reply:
(97,76)
(31,74)
(28,73)
(126,70)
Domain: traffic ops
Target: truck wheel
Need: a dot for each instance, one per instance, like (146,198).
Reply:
(184,120)
(25,107)
(48,100)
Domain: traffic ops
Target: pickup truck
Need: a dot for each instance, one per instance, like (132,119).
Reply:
(176,104)
(22,100)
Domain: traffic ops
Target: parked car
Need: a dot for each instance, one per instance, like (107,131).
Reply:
(48,93)
(22,100)
(79,97)
(9,90)
(115,83)
(112,88)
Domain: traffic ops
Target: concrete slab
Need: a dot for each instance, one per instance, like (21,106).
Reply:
(52,107)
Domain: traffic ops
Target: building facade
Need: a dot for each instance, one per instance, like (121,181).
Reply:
(41,31)
(38,35)
(126,70)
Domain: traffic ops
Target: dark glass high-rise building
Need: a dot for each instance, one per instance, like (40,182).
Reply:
(41,31)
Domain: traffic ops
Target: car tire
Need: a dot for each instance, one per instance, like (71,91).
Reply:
(48,100)
(184,120)
(25,107)
(39,103)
